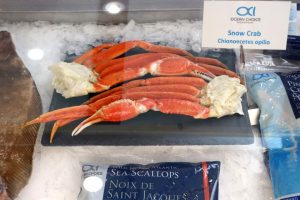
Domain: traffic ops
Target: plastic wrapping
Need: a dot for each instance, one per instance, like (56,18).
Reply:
(258,63)
(158,181)
(278,97)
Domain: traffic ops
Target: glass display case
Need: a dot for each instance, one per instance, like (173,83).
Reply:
(120,100)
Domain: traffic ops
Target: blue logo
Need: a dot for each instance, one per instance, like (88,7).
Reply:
(260,76)
(246,11)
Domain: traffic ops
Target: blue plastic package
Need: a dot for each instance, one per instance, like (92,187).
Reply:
(157,181)
(278,97)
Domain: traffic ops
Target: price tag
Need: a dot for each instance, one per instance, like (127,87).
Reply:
(253,24)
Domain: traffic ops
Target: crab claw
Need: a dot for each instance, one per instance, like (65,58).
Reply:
(60,123)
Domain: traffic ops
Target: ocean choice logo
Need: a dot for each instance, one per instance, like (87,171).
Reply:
(260,76)
(246,11)
(246,14)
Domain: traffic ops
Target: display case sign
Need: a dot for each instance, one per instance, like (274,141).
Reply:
(253,24)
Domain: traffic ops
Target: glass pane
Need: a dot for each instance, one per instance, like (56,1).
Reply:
(129,82)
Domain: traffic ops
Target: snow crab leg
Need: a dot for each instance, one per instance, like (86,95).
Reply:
(209,61)
(129,62)
(87,110)
(123,47)
(175,83)
(110,66)
(163,67)
(126,109)
(171,84)
(219,71)
(88,82)
(67,115)
(144,59)
(71,115)
(93,52)
(155,81)
(96,57)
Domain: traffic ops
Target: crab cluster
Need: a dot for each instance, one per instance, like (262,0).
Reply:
(180,84)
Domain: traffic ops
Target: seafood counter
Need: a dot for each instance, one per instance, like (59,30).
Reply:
(164,78)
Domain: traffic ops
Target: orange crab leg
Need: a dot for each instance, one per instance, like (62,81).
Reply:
(165,67)
(64,113)
(209,61)
(87,110)
(123,47)
(219,71)
(67,115)
(129,95)
(148,46)
(134,63)
(60,123)
(103,65)
(124,62)
(192,81)
(137,95)
(120,110)
(130,61)
(178,66)
(125,109)
(64,116)
(182,107)
(92,52)
(179,88)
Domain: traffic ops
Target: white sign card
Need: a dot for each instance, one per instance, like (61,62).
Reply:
(253,24)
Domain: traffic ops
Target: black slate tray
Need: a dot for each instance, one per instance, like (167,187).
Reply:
(154,128)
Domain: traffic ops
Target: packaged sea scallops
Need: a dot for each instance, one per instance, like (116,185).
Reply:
(159,181)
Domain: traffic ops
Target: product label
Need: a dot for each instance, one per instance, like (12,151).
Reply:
(291,82)
(253,24)
(161,181)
